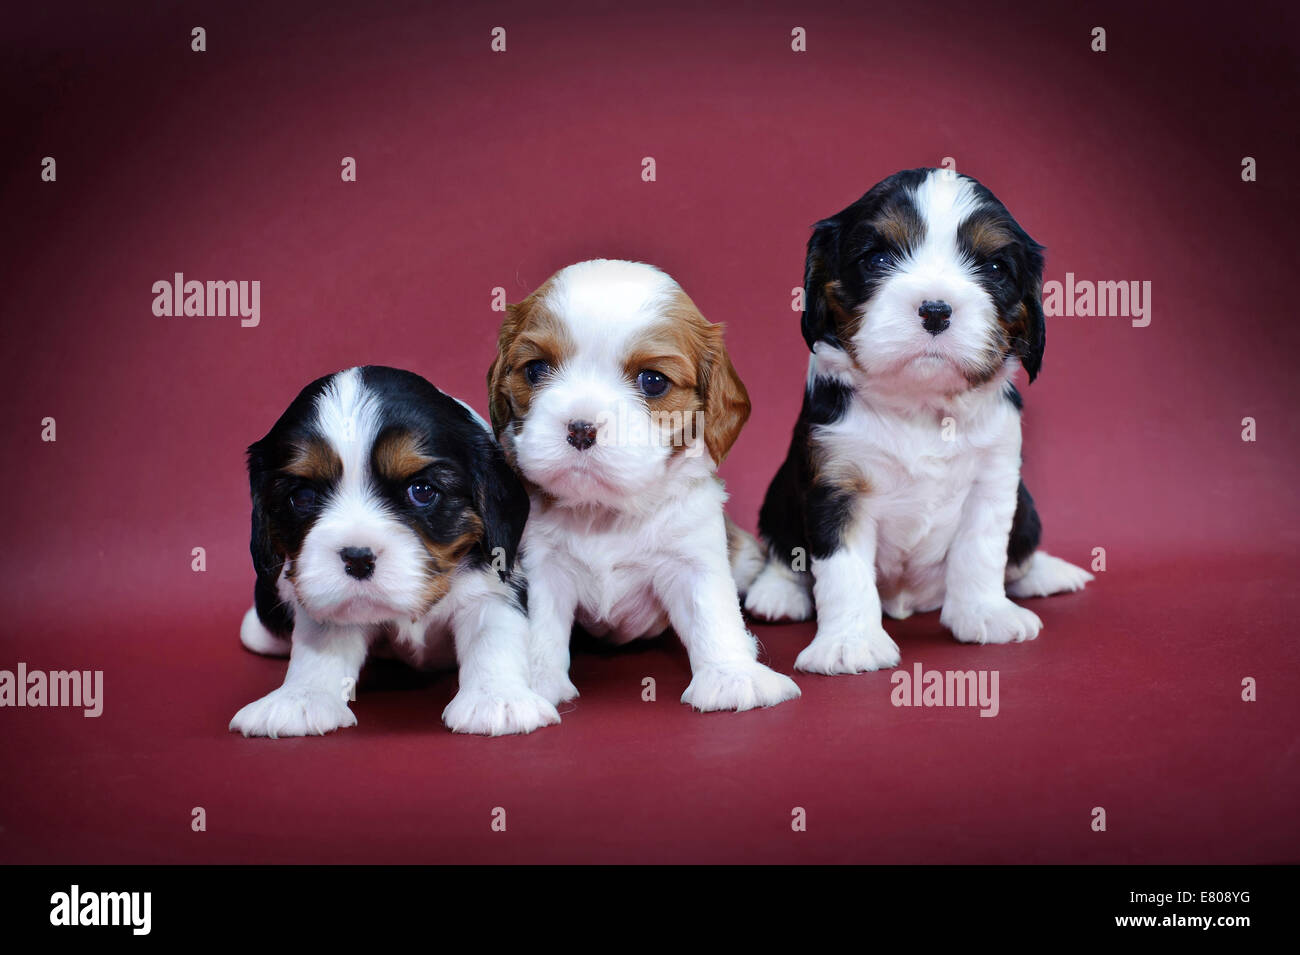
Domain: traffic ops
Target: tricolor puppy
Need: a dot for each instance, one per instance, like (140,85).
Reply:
(616,400)
(902,489)
(386,518)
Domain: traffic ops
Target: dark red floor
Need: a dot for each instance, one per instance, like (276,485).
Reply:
(1129,700)
(479,170)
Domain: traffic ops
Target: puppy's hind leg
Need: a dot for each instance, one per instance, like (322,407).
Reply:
(1032,572)
(782,590)
(780,593)
(254,636)
(745,556)
(1043,575)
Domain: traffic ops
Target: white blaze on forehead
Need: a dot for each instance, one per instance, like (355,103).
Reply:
(606,303)
(944,201)
(348,415)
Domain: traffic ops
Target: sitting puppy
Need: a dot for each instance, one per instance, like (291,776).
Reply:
(385,517)
(616,400)
(902,482)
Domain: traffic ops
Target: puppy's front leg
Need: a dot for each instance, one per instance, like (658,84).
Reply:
(552,604)
(850,637)
(704,610)
(975,605)
(324,663)
(494,698)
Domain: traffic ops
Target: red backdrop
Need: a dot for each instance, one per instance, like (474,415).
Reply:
(479,169)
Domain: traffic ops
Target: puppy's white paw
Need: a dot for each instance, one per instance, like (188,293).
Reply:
(995,621)
(552,684)
(778,594)
(742,685)
(1047,575)
(498,711)
(294,711)
(857,650)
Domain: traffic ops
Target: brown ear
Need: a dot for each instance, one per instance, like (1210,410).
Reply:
(498,399)
(726,402)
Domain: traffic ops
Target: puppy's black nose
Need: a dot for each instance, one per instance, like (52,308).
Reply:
(358,562)
(934,316)
(582,434)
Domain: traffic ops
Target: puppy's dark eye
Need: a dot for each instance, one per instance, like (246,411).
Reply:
(303,500)
(652,383)
(881,260)
(536,370)
(422,494)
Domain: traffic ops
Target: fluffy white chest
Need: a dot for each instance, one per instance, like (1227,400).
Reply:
(614,586)
(920,469)
(426,644)
(611,563)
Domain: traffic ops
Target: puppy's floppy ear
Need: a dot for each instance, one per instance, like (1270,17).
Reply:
(501,502)
(498,399)
(268,561)
(821,268)
(726,402)
(1029,345)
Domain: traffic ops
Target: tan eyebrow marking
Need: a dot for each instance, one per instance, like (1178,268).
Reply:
(984,236)
(398,455)
(900,224)
(315,460)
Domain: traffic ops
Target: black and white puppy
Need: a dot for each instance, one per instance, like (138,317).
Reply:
(901,490)
(385,517)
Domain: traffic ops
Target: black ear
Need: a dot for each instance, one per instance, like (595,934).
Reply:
(267,561)
(821,267)
(1029,347)
(502,503)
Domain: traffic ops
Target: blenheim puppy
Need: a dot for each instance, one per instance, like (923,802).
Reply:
(385,517)
(901,489)
(616,401)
